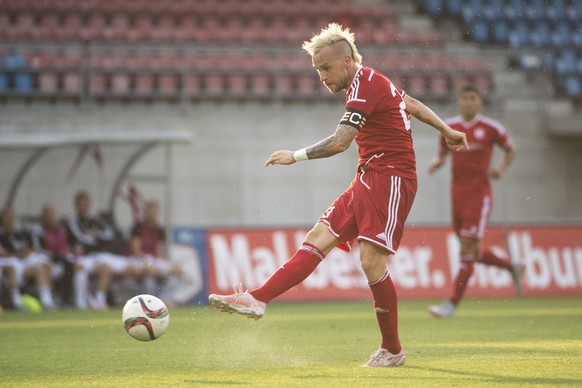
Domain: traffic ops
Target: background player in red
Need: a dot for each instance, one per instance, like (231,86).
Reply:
(375,206)
(471,191)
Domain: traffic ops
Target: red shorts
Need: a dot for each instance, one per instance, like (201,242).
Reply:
(374,208)
(471,214)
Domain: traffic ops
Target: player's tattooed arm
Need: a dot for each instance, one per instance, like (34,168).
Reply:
(334,144)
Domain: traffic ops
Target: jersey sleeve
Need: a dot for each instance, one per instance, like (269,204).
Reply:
(501,138)
(363,98)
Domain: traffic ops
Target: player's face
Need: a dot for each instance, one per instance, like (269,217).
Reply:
(469,104)
(333,68)
(49,216)
(83,206)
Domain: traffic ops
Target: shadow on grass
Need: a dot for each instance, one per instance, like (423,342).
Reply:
(489,377)
(209,382)
(476,376)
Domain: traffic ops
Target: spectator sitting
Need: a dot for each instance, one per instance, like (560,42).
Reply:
(90,237)
(147,246)
(17,245)
(52,239)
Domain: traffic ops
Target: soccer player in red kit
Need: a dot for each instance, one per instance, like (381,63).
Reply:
(374,207)
(471,191)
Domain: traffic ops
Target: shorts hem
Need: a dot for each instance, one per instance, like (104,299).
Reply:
(383,246)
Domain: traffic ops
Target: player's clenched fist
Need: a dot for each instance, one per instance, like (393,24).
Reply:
(281,157)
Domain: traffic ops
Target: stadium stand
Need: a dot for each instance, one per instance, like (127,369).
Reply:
(205,49)
(546,34)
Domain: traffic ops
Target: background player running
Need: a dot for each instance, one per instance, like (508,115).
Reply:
(471,191)
(375,206)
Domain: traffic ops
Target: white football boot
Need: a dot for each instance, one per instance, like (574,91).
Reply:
(240,302)
(517,274)
(445,310)
(383,357)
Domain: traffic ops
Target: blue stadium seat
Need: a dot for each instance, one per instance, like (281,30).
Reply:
(566,62)
(541,34)
(500,31)
(515,10)
(495,10)
(472,9)
(558,9)
(434,7)
(23,82)
(479,30)
(454,7)
(519,35)
(3,82)
(572,85)
(561,35)
(536,10)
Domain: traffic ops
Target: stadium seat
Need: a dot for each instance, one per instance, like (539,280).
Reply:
(168,84)
(144,83)
(3,82)
(71,83)
(192,84)
(120,83)
(479,30)
(260,84)
(572,86)
(23,82)
(214,84)
(98,85)
(434,7)
(48,82)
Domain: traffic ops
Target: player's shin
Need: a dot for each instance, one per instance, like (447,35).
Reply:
(293,272)
(463,277)
(386,307)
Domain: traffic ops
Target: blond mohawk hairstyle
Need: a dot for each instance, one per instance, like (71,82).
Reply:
(330,35)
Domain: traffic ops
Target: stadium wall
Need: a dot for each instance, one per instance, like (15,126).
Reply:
(220,179)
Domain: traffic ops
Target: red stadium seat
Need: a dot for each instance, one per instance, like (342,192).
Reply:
(48,82)
(120,83)
(260,84)
(72,28)
(439,85)
(306,85)
(214,84)
(98,84)
(144,83)
(95,27)
(237,84)
(118,29)
(71,83)
(416,85)
(168,84)
(141,30)
(283,84)
(193,84)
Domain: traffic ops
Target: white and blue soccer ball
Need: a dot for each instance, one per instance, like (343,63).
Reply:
(145,317)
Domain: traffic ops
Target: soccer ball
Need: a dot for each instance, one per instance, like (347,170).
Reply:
(145,317)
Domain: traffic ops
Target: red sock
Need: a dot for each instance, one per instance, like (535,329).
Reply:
(467,266)
(293,272)
(386,306)
(490,258)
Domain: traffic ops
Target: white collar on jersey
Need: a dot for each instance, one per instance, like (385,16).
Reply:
(355,75)
(467,124)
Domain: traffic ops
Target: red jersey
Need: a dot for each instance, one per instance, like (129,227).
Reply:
(470,167)
(150,235)
(375,107)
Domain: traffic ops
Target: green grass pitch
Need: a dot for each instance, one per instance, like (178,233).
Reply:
(516,342)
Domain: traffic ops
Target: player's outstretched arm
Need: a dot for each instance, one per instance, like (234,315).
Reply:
(334,144)
(455,139)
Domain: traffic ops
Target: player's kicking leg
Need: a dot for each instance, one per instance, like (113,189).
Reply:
(253,303)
